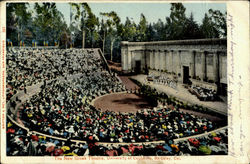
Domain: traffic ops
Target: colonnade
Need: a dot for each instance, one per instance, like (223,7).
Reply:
(171,61)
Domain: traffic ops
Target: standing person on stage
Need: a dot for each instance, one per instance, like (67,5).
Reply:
(25,90)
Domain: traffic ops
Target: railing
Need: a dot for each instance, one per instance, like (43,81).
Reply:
(117,143)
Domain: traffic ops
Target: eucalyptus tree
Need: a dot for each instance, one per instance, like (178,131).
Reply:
(129,31)
(176,21)
(142,28)
(219,21)
(191,30)
(85,20)
(160,32)
(113,29)
(208,28)
(49,21)
(18,20)
(102,32)
(150,33)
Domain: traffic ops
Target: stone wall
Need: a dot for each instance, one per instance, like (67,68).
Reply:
(205,59)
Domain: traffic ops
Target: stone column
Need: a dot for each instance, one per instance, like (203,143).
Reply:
(147,58)
(151,61)
(193,74)
(203,65)
(129,60)
(124,46)
(216,66)
(133,53)
(171,61)
(163,60)
(124,59)
(179,62)
(143,59)
(160,60)
(155,58)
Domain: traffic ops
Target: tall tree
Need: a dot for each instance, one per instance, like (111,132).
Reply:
(159,28)
(176,21)
(129,30)
(219,21)
(150,33)
(142,28)
(18,20)
(208,28)
(102,34)
(191,29)
(91,22)
(49,22)
(88,20)
(113,29)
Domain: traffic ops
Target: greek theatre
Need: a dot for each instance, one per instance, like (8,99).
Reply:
(200,61)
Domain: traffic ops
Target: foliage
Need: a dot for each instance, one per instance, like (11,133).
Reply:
(176,21)
(142,28)
(219,21)
(49,22)
(112,28)
(192,30)
(160,31)
(129,30)
(208,28)
(86,30)
(18,21)
(84,22)
(150,33)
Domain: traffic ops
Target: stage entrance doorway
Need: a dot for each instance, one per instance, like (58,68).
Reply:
(137,66)
(185,74)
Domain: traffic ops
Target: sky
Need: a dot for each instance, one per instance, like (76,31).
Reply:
(152,11)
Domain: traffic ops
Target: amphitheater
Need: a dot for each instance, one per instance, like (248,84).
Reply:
(68,102)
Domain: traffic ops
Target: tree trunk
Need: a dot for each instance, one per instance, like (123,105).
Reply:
(18,33)
(83,38)
(66,43)
(111,50)
(18,38)
(103,44)
(92,45)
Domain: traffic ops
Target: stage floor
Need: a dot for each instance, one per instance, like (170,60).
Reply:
(121,102)
(183,94)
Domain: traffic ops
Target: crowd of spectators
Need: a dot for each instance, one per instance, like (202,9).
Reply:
(86,122)
(215,143)
(62,109)
(23,143)
(28,66)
